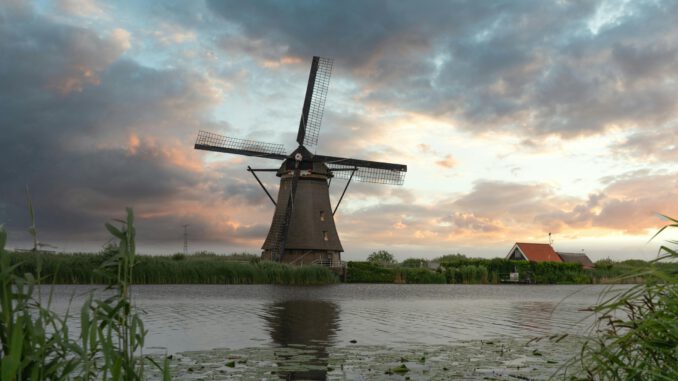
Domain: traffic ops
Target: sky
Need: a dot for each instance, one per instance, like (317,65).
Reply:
(516,119)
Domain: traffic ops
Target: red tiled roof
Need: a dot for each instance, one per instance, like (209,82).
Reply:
(539,252)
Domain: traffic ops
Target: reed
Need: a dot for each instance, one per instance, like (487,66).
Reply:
(177,269)
(36,344)
(637,330)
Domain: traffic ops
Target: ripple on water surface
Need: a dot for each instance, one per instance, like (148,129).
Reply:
(199,317)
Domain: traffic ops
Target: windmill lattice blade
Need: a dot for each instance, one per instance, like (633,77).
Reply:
(314,102)
(367,171)
(209,141)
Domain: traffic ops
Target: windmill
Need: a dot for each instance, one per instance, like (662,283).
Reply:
(302,229)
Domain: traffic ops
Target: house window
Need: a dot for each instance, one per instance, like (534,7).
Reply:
(325,236)
(322,215)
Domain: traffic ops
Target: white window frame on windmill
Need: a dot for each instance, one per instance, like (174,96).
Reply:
(325,236)
(322,215)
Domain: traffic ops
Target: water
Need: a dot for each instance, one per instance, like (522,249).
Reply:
(201,317)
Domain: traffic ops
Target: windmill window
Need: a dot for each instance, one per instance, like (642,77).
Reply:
(325,236)
(322,215)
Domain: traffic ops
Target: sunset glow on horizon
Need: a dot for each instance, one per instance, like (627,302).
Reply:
(515,119)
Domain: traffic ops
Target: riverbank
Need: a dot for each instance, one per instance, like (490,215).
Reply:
(496,270)
(206,268)
(85,268)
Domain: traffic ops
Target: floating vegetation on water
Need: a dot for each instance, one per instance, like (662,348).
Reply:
(505,358)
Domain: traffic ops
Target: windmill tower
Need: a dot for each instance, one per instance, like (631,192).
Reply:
(302,229)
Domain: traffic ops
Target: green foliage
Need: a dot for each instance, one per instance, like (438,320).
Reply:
(382,257)
(460,269)
(414,263)
(369,272)
(119,328)
(637,330)
(467,274)
(195,269)
(451,258)
(178,256)
(422,276)
(29,350)
(36,344)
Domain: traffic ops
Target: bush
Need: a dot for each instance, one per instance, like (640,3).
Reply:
(460,269)
(422,276)
(414,263)
(382,257)
(369,272)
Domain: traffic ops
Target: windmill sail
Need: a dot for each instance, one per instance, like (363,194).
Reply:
(214,142)
(365,171)
(303,230)
(314,103)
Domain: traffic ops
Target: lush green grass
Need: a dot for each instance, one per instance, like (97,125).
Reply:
(178,269)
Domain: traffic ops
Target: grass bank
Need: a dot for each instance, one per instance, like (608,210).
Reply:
(178,269)
(462,270)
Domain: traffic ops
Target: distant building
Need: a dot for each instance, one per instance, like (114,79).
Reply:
(543,252)
(533,252)
(580,258)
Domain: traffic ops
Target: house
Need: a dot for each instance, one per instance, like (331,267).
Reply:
(543,252)
(580,258)
(533,252)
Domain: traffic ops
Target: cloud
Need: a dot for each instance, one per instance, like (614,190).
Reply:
(99,111)
(531,68)
(447,162)
(92,132)
(82,8)
(659,144)
(498,213)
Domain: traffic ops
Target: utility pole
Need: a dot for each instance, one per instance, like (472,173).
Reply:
(185,239)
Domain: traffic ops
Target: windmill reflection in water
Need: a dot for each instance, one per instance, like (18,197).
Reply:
(309,328)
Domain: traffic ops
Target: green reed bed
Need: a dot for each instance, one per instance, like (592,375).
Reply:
(36,343)
(636,336)
(177,269)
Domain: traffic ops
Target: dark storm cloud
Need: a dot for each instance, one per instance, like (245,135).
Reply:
(530,67)
(249,191)
(90,132)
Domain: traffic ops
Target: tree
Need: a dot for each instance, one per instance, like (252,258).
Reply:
(382,257)
(414,262)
